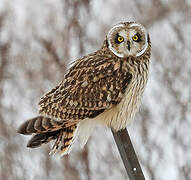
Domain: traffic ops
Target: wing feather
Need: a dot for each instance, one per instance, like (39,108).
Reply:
(93,84)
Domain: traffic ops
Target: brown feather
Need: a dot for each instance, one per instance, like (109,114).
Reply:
(94,83)
(40,124)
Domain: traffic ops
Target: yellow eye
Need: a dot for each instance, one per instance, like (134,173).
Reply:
(135,38)
(120,39)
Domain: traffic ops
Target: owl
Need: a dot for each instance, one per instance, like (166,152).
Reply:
(102,88)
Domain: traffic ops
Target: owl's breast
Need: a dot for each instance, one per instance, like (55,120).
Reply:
(120,115)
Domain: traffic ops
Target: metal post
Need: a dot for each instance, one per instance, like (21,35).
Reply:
(128,155)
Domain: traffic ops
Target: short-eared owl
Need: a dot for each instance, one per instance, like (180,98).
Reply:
(104,87)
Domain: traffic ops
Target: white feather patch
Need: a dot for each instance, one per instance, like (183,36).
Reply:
(85,129)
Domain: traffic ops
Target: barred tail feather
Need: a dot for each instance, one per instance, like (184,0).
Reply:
(65,141)
(68,136)
(43,138)
(40,124)
(45,130)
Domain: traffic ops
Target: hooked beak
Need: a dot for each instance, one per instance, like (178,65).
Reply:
(128,45)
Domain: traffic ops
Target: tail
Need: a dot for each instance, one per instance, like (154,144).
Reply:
(46,129)
(65,140)
(40,124)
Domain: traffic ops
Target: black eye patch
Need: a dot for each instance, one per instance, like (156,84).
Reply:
(118,39)
(139,37)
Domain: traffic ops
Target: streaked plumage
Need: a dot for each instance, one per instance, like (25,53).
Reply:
(104,87)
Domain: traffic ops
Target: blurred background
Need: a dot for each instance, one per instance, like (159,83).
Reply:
(38,40)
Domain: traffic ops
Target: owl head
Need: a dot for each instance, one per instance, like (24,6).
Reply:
(127,39)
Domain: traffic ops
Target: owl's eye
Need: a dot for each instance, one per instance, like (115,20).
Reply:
(119,39)
(136,38)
